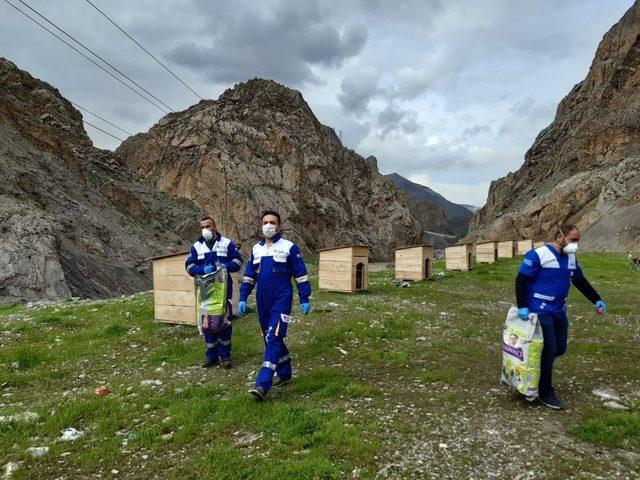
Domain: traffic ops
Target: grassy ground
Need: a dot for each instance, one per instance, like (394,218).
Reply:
(390,383)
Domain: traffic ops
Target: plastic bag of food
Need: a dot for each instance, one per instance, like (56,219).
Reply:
(211,302)
(522,343)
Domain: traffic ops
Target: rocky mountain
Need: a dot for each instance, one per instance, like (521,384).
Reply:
(74,221)
(260,146)
(584,168)
(433,211)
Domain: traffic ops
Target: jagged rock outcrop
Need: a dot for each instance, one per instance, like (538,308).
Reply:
(433,211)
(584,168)
(260,146)
(74,221)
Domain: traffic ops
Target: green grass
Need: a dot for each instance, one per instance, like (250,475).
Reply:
(381,379)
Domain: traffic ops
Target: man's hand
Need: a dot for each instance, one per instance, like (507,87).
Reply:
(523,313)
(242,308)
(305,308)
(600,307)
(208,269)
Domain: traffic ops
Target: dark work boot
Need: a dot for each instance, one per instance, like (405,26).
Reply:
(210,363)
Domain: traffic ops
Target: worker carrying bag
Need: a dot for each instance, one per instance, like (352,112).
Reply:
(211,301)
(522,343)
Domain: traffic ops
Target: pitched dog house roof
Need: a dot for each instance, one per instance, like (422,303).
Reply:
(172,254)
(341,247)
(415,246)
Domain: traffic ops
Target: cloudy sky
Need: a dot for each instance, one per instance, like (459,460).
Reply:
(448,93)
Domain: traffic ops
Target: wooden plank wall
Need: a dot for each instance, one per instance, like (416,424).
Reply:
(506,249)
(457,257)
(486,252)
(174,297)
(335,270)
(524,246)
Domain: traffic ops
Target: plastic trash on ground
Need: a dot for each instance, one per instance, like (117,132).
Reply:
(70,434)
(522,343)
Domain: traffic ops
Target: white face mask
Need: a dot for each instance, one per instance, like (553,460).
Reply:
(207,234)
(570,247)
(269,230)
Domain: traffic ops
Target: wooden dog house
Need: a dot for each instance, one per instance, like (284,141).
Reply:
(414,262)
(458,257)
(524,246)
(174,291)
(507,249)
(344,269)
(487,252)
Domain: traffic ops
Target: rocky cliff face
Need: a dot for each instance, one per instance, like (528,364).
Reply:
(74,221)
(260,146)
(584,168)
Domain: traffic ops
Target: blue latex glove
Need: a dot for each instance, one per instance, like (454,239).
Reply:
(523,313)
(600,304)
(305,308)
(208,269)
(242,308)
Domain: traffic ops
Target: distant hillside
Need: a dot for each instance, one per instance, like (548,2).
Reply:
(457,216)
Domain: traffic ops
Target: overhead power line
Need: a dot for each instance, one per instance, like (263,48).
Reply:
(103,131)
(103,119)
(86,56)
(145,50)
(94,54)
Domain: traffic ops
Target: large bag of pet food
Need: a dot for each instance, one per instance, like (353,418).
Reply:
(521,352)
(211,302)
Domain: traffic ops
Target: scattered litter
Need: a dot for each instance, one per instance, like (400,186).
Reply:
(605,395)
(342,350)
(333,304)
(102,390)
(150,383)
(70,434)
(615,405)
(443,445)
(37,451)
(65,454)
(178,390)
(19,417)
(167,436)
(11,467)
(355,473)
(421,339)
(132,436)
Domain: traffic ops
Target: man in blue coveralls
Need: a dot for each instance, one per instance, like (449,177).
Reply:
(208,251)
(274,261)
(542,286)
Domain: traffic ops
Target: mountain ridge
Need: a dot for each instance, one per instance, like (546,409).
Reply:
(584,168)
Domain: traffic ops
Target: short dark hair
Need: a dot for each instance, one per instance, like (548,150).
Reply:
(207,218)
(564,230)
(271,212)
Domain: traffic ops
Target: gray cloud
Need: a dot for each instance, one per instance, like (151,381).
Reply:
(357,90)
(282,42)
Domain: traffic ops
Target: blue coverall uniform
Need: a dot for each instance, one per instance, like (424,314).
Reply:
(271,267)
(203,253)
(550,275)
